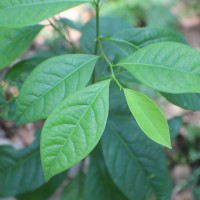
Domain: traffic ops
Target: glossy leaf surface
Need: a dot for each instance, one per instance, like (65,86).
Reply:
(168,67)
(74,128)
(136,164)
(18,13)
(15,41)
(50,83)
(149,117)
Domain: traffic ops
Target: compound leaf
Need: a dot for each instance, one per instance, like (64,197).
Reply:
(168,67)
(50,83)
(74,128)
(15,41)
(18,13)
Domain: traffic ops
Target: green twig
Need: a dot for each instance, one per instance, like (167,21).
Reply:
(111,68)
(97,27)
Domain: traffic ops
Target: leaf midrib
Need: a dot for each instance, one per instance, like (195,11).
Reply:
(157,66)
(78,123)
(62,80)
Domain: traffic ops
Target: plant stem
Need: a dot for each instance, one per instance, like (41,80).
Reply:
(97,27)
(111,68)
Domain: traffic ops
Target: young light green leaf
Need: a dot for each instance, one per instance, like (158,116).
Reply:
(99,185)
(149,117)
(15,41)
(20,13)
(20,170)
(167,66)
(50,83)
(136,164)
(74,128)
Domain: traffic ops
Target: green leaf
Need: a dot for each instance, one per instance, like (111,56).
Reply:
(52,81)
(149,117)
(186,101)
(99,185)
(168,67)
(20,170)
(136,164)
(15,41)
(128,41)
(75,189)
(46,190)
(175,126)
(20,71)
(18,13)
(74,128)
(107,27)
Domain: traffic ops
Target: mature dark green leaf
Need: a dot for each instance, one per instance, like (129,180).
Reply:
(18,13)
(75,189)
(20,71)
(175,126)
(108,26)
(74,128)
(168,67)
(15,41)
(99,185)
(20,170)
(186,101)
(135,163)
(46,190)
(50,83)
(128,41)
(149,117)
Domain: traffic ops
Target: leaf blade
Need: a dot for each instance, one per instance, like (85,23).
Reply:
(134,162)
(168,67)
(20,171)
(23,13)
(149,117)
(79,123)
(15,41)
(48,85)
